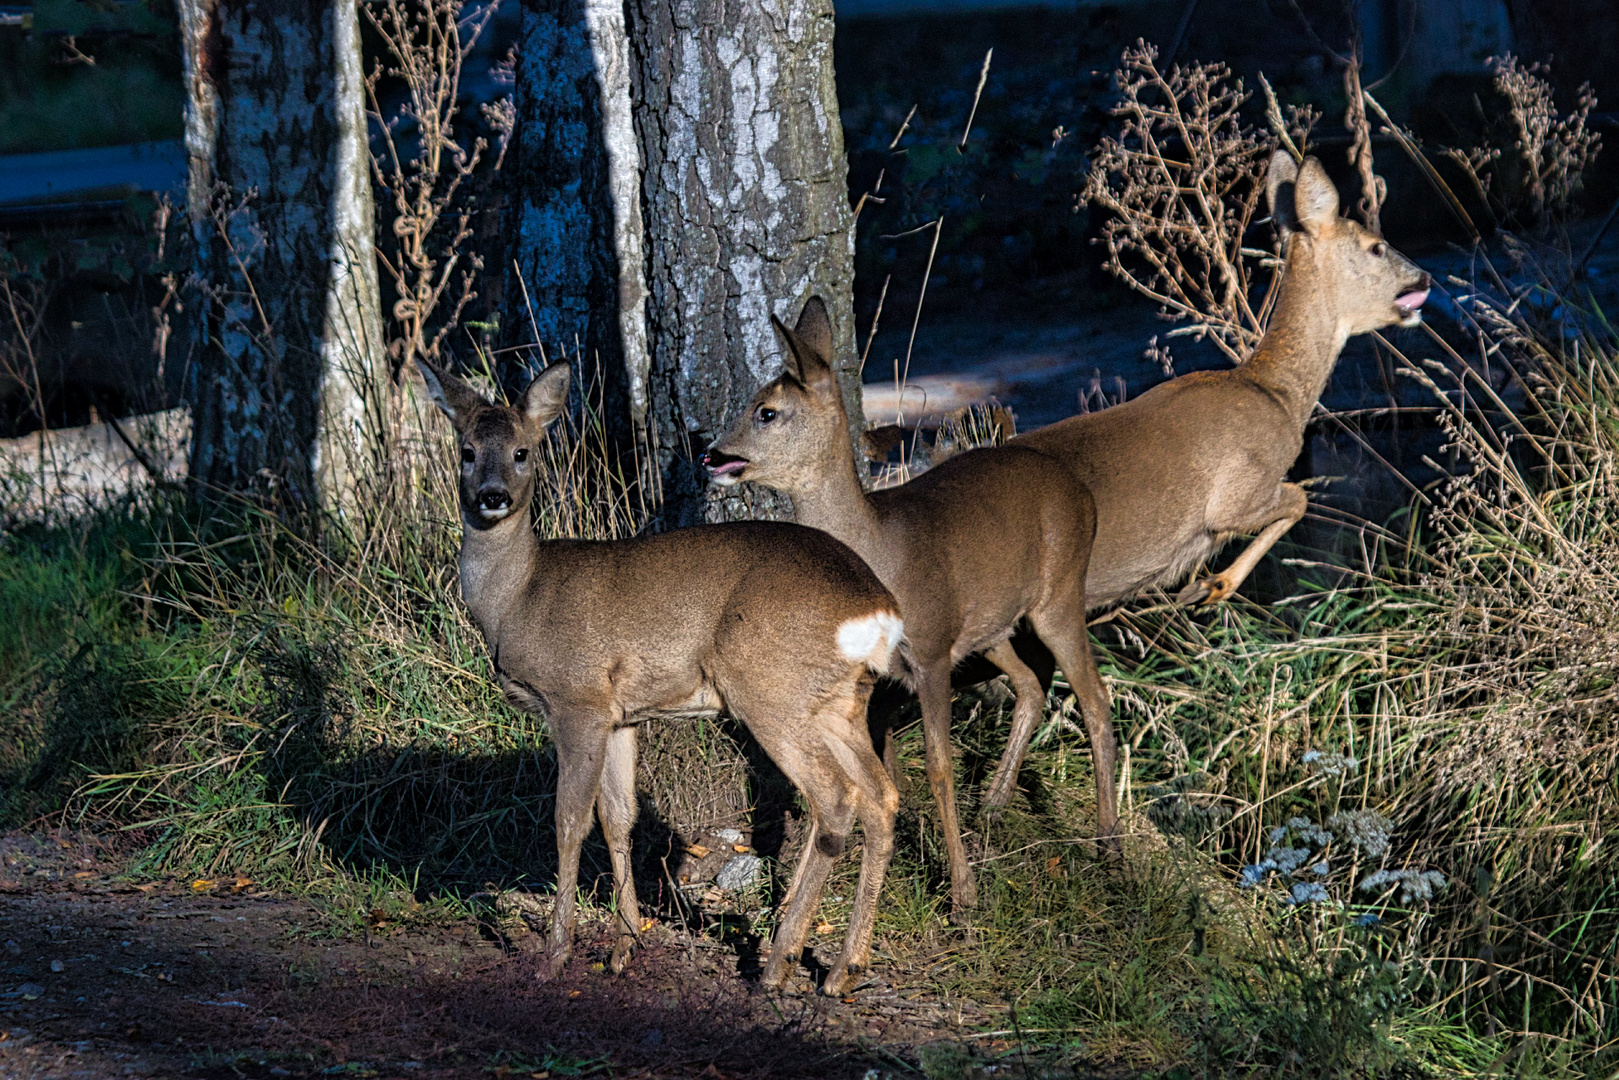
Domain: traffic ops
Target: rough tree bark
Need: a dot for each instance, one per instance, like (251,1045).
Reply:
(747,215)
(289,392)
(574,273)
(679,178)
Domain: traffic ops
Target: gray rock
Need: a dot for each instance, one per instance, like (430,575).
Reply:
(31,990)
(730,836)
(739,872)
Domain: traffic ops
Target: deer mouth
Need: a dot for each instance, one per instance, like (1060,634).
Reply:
(724,469)
(1409,304)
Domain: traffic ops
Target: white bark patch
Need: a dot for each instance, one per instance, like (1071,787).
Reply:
(871,640)
(201,107)
(352,345)
(610,47)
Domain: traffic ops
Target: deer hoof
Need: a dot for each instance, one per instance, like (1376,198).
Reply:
(621,955)
(554,963)
(1211,590)
(775,975)
(840,979)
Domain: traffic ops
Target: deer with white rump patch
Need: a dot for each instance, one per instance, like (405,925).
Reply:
(970,548)
(1199,459)
(781,627)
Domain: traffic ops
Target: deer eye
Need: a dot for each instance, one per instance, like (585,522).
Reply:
(1380,249)
(765,414)
(468,455)
(521,455)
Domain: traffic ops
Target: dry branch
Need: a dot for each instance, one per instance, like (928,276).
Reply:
(1181,183)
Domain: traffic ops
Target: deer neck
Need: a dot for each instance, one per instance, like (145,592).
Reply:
(496,565)
(834,502)
(1300,348)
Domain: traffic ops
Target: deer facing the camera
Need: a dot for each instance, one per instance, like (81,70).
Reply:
(970,548)
(781,627)
(1204,457)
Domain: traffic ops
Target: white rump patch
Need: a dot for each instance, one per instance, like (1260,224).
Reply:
(871,639)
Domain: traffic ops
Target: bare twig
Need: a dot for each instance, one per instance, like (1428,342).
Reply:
(983,76)
(427,41)
(1180,184)
(1372,188)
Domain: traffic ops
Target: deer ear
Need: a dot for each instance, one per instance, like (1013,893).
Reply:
(546,396)
(454,398)
(1315,197)
(1280,180)
(814,328)
(809,347)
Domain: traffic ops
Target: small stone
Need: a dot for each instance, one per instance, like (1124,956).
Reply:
(58,967)
(13,948)
(739,872)
(31,991)
(653,1037)
(730,836)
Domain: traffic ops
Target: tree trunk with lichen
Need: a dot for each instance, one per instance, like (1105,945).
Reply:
(572,278)
(746,205)
(678,178)
(288,395)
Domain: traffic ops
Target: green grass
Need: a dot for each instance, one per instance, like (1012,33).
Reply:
(242,702)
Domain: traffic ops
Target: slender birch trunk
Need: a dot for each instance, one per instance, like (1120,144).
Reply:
(746,214)
(288,394)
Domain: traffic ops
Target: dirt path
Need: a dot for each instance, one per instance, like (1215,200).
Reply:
(107,979)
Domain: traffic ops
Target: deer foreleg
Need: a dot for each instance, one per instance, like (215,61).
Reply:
(581,752)
(1291,506)
(615,805)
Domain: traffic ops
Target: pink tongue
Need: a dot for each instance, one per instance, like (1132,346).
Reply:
(728,467)
(1412,300)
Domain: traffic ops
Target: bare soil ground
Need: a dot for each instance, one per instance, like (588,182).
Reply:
(103,977)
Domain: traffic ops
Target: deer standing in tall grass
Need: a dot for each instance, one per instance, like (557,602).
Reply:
(1204,457)
(970,548)
(783,628)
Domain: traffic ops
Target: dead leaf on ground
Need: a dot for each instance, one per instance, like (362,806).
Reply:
(698,850)
(203,884)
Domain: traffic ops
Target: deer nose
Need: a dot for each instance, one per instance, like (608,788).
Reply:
(494,498)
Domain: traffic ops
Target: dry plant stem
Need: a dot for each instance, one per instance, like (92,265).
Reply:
(427,43)
(1180,185)
(1421,161)
(1372,187)
(983,76)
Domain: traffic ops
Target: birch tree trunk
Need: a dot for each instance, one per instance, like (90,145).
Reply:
(575,271)
(288,396)
(679,178)
(747,215)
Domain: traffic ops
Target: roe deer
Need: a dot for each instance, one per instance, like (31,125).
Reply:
(1199,459)
(782,627)
(970,548)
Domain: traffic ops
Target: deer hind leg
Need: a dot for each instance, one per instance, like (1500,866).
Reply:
(879,802)
(933,687)
(581,743)
(1290,507)
(1063,628)
(1031,697)
(830,824)
(615,805)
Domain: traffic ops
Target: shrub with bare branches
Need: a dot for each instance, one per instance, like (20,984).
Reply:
(1180,183)
(1550,152)
(427,42)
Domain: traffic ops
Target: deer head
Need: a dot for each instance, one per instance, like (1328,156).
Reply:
(1345,267)
(498,442)
(795,428)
